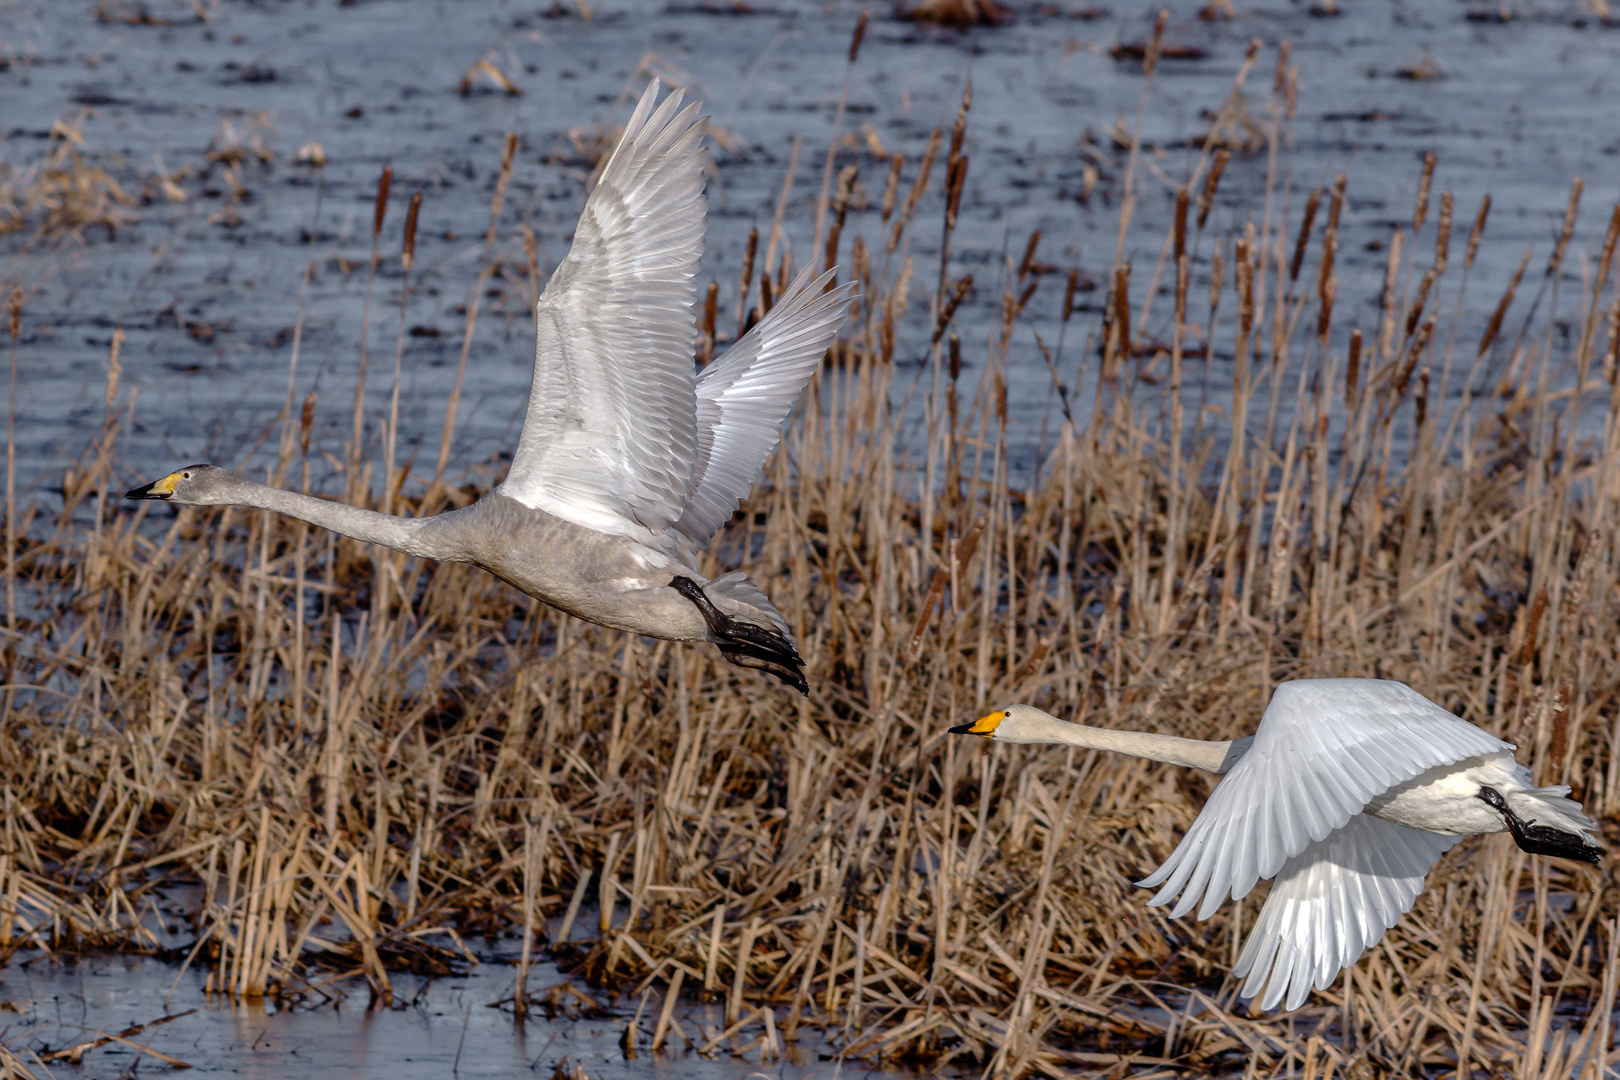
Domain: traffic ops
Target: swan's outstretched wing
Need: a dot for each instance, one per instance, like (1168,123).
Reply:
(1323,749)
(1331,903)
(611,435)
(743,397)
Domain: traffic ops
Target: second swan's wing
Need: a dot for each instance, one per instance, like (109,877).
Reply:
(1331,903)
(743,397)
(1323,749)
(610,436)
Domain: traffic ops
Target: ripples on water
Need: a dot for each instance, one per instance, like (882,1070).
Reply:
(1515,109)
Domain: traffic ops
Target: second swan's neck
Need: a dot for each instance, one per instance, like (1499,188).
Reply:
(1034,726)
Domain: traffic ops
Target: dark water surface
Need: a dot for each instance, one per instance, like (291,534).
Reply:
(207,291)
(449,1028)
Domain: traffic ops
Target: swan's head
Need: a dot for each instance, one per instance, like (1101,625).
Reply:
(1016,724)
(194,485)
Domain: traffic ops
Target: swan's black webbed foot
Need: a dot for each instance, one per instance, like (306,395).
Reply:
(744,643)
(1540,839)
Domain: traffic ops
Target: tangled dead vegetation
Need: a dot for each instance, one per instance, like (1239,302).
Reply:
(65,194)
(366,763)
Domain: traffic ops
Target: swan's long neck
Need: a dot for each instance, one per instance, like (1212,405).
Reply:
(414,536)
(1034,726)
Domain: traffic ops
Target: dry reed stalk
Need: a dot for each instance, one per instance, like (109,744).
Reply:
(379,211)
(14,303)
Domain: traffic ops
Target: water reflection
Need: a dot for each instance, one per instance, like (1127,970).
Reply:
(447,1028)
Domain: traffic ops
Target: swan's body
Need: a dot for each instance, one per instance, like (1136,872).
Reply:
(1346,795)
(630,459)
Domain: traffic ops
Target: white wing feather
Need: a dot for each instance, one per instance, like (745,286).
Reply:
(1323,749)
(745,395)
(1331,903)
(610,436)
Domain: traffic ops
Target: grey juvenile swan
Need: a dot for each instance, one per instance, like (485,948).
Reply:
(630,459)
(1346,795)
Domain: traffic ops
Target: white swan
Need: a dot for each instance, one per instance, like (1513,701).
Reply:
(630,460)
(1346,794)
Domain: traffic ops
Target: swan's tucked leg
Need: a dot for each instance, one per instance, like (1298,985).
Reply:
(1540,839)
(744,643)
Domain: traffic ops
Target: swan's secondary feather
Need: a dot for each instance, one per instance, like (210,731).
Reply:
(745,395)
(610,436)
(1323,749)
(1332,902)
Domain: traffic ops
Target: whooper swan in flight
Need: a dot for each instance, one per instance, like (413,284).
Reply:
(1346,795)
(630,459)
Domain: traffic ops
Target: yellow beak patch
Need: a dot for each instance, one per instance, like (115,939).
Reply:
(157,489)
(984,725)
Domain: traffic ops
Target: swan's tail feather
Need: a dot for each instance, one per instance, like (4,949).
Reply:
(1544,821)
(736,587)
(746,626)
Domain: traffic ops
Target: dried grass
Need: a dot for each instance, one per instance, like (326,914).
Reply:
(64,194)
(364,758)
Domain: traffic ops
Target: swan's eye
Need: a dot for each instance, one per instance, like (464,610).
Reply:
(186,475)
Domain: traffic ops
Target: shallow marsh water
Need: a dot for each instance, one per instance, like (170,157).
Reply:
(207,291)
(449,1027)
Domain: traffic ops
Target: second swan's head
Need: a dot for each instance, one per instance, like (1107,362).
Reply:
(194,485)
(1014,724)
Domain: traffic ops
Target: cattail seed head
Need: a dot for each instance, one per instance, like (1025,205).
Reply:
(1151,59)
(893,185)
(1207,199)
(1181,221)
(1442,239)
(408,257)
(860,32)
(1477,232)
(1568,230)
(384,182)
(1311,203)
(1029,254)
(1352,372)
(306,420)
(1421,212)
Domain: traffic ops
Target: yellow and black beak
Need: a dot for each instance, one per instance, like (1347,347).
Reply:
(157,489)
(984,726)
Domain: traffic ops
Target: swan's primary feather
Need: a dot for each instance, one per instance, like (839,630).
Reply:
(1331,903)
(745,395)
(610,436)
(1323,749)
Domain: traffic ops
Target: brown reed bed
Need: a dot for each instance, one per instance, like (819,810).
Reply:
(365,762)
